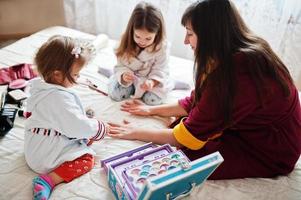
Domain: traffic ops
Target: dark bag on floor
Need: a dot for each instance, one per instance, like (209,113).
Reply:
(7,118)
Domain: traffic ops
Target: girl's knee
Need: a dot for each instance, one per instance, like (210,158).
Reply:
(118,96)
(151,99)
(118,93)
(88,162)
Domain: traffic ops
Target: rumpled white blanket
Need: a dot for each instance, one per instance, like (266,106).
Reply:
(16,177)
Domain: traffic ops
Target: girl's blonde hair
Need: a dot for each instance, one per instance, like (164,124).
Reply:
(59,54)
(144,16)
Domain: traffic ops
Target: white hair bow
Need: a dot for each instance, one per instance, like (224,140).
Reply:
(76,51)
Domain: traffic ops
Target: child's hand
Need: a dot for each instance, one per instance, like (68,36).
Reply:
(128,77)
(90,142)
(136,107)
(148,85)
(107,127)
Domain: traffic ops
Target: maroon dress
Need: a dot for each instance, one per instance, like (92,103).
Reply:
(264,141)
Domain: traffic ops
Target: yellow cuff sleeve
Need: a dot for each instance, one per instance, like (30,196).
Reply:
(184,137)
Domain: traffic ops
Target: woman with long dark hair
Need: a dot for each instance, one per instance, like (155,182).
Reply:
(244,104)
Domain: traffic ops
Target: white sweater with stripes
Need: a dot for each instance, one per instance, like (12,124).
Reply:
(58,129)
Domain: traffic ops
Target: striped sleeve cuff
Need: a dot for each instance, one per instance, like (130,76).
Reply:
(101,132)
(184,137)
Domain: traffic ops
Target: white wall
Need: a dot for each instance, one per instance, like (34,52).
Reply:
(277,21)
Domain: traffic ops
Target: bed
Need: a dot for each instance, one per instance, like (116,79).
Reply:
(16,177)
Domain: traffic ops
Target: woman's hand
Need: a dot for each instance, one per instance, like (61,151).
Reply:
(124,131)
(128,77)
(129,132)
(136,107)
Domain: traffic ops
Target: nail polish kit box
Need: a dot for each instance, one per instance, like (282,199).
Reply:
(157,172)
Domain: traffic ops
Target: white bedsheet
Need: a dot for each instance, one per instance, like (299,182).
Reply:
(16,177)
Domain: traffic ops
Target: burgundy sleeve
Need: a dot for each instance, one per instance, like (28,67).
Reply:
(205,121)
(187,102)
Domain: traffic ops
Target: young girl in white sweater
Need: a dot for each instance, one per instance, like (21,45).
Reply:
(142,70)
(58,133)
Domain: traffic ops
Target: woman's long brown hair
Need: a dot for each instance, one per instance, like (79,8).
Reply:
(221,33)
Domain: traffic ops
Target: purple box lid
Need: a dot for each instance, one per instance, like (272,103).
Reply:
(132,158)
(124,156)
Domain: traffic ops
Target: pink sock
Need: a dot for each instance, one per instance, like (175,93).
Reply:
(38,188)
(48,179)
(42,187)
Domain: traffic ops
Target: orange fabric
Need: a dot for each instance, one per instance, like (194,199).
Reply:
(72,169)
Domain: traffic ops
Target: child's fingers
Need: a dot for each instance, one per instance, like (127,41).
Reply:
(132,77)
(129,77)
(90,142)
(143,86)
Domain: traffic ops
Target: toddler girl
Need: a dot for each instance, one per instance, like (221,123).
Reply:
(58,133)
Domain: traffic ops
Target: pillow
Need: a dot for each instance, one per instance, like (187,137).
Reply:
(101,41)
(106,71)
